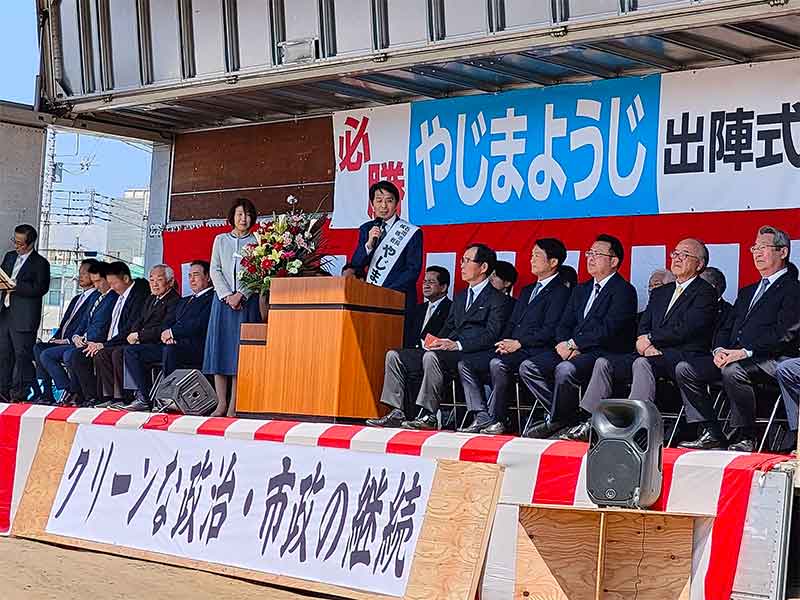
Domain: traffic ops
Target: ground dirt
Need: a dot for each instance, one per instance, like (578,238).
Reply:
(36,571)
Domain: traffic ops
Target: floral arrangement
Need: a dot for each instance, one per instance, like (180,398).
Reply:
(288,245)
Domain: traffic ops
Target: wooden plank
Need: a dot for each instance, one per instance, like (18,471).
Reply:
(558,560)
(612,509)
(333,290)
(648,557)
(448,559)
(601,556)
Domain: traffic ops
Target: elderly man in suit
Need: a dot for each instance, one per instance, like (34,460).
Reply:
(600,319)
(92,328)
(403,367)
(68,327)
(144,327)
(530,331)
(389,249)
(677,325)
(476,320)
(182,341)
(756,336)
(21,313)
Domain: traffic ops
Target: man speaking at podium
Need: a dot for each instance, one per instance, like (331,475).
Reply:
(389,248)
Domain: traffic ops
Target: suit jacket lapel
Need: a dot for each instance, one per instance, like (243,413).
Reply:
(478,299)
(603,293)
(770,290)
(689,292)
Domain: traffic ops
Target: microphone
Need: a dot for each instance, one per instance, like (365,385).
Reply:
(378,222)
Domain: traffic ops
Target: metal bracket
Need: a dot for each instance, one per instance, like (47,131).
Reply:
(558,32)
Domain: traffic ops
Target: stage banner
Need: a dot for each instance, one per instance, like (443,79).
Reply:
(369,145)
(321,514)
(720,139)
(729,138)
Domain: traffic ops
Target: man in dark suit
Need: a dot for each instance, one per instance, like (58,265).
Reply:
(403,368)
(389,249)
(144,326)
(68,327)
(130,298)
(600,319)
(182,340)
(676,325)
(21,313)
(93,327)
(756,336)
(530,330)
(476,320)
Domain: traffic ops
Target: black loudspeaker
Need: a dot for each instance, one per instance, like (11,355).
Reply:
(185,391)
(626,441)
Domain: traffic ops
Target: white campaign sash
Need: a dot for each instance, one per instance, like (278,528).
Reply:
(392,246)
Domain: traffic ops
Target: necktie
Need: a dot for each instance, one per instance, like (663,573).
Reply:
(592,298)
(536,289)
(74,312)
(114,329)
(96,304)
(675,295)
(428,313)
(470,298)
(760,292)
(14,272)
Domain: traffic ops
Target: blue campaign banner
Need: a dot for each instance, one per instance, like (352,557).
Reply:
(580,150)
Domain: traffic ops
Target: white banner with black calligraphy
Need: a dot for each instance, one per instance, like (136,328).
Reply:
(387,253)
(322,514)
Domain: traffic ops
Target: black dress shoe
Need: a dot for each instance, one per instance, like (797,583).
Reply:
(476,427)
(743,445)
(424,422)
(137,406)
(579,433)
(707,441)
(494,429)
(543,430)
(394,418)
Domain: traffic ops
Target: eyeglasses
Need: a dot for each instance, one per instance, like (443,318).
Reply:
(17,243)
(682,255)
(595,254)
(761,247)
(465,260)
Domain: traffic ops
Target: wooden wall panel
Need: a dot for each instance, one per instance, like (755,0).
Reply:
(262,162)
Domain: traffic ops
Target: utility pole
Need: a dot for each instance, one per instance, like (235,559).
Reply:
(47,187)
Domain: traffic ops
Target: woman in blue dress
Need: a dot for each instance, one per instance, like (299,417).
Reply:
(233,305)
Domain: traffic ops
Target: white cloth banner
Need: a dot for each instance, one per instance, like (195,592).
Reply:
(385,257)
(321,514)
(729,138)
(369,145)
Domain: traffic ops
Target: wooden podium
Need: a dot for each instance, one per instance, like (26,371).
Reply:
(326,341)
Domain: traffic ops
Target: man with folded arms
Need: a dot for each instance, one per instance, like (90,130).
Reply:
(599,319)
(677,325)
(182,339)
(758,334)
(530,331)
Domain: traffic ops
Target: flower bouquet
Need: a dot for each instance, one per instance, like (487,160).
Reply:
(288,245)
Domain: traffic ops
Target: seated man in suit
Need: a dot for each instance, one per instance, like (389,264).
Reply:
(476,320)
(403,368)
(599,319)
(68,327)
(504,277)
(143,327)
(676,325)
(757,335)
(21,313)
(182,340)
(530,330)
(93,327)
(389,249)
(131,295)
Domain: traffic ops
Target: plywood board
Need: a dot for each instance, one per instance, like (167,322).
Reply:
(647,556)
(557,554)
(450,552)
